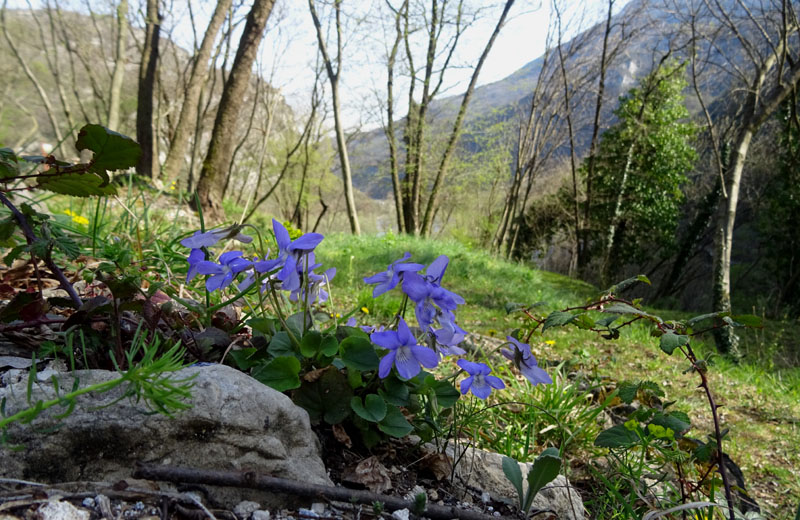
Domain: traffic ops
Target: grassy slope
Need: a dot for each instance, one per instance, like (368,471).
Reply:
(761,403)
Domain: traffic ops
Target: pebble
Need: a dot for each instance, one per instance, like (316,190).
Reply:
(307,513)
(496,513)
(433,496)
(260,515)
(88,502)
(62,511)
(485,498)
(245,508)
(318,507)
(401,514)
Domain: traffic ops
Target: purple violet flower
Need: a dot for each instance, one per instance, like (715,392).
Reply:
(195,257)
(389,279)
(404,352)
(222,274)
(289,252)
(209,238)
(479,380)
(523,359)
(426,292)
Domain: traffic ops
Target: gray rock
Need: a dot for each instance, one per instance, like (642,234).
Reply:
(245,508)
(58,510)
(260,515)
(235,423)
(401,514)
(484,470)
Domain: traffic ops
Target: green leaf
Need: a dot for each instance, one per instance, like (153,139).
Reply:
(112,150)
(282,373)
(77,185)
(65,244)
(514,475)
(545,469)
(557,319)
(295,323)
(329,345)
(396,391)
(616,437)
(446,393)
(280,345)
(309,345)
(621,286)
(9,166)
(355,380)
(627,391)
(605,321)
(697,319)
(395,424)
(327,398)
(358,353)
(373,409)
(7,227)
(584,321)
(670,341)
(704,451)
(263,326)
(623,308)
(748,320)
(242,358)
(679,422)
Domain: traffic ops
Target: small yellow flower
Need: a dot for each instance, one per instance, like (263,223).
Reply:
(172,186)
(550,342)
(77,218)
(338,315)
(364,310)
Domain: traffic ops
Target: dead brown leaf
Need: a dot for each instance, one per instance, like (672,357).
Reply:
(439,464)
(341,435)
(371,474)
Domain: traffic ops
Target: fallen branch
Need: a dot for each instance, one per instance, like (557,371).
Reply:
(252,480)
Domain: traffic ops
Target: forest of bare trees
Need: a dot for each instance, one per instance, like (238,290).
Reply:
(214,125)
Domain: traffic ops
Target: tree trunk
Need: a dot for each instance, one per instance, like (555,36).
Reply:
(341,143)
(390,130)
(120,60)
(427,220)
(756,110)
(180,139)
(583,256)
(217,161)
(148,162)
(611,235)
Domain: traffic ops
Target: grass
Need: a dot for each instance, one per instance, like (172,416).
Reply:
(760,394)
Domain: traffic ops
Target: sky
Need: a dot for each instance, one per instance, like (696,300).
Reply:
(289,50)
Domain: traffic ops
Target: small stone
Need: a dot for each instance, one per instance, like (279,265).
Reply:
(496,513)
(61,511)
(400,514)
(88,502)
(307,513)
(245,508)
(485,498)
(139,506)
(260,515)
(318,507)
(433,495)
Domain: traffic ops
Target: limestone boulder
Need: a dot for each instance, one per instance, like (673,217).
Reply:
(234,423)
(484,470)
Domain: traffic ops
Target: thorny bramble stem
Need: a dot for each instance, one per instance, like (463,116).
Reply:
(30,236)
